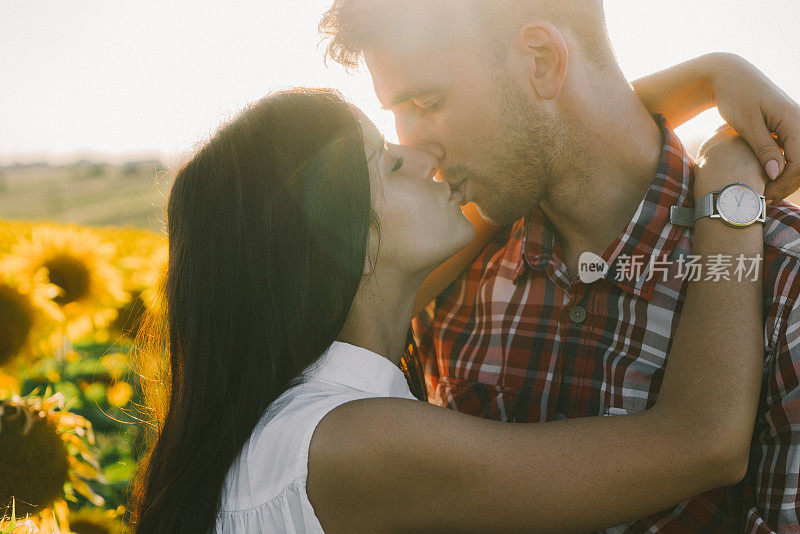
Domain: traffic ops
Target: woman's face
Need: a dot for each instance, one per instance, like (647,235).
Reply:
(421,223)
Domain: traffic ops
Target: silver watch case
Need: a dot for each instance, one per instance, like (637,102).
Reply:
(708,206)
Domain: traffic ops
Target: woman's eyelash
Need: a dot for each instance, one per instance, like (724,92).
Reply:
(398,164)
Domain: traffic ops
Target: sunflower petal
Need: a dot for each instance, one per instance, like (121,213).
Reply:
(84,489)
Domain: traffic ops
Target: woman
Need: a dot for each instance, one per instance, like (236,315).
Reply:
(291,223)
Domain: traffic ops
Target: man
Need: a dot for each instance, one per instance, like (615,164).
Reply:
(534,122)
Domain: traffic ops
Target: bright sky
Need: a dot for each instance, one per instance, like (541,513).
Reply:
(126,76)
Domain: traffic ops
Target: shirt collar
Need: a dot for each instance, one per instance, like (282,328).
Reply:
(650,234)
(361,369)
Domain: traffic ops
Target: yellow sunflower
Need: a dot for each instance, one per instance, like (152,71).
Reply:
(9,385)
(96,520)
(45,458)
(154,280)
(28,315)
(16,525)
(79,264)
(119,394)
(12,232)
(43,523)
(141,272)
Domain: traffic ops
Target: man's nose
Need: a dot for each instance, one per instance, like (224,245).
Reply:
(410,132)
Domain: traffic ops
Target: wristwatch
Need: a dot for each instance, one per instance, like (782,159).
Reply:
(737,204)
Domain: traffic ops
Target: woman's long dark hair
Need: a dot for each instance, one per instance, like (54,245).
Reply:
(268,230)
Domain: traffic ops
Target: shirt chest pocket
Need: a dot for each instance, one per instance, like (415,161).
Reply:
(475,398)
(625,404)
(631,384)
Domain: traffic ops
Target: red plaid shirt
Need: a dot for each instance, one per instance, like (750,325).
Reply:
(514,339)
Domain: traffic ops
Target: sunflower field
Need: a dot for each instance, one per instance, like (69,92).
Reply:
(72,300)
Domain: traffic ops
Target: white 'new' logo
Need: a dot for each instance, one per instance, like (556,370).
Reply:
(591,267)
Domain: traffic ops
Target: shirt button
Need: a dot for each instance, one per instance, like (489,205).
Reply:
(577,314)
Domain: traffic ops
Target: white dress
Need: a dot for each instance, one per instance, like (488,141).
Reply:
(265,489)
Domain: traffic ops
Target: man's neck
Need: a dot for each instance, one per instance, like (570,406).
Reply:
(600,189)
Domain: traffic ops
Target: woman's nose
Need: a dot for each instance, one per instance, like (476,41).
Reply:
(432,160)
(428,165)
(435,150)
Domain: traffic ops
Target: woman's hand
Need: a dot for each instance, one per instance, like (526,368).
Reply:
(756,108)
(726,158)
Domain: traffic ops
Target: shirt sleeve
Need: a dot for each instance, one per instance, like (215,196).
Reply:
(771,496)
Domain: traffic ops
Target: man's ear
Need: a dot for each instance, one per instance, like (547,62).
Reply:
(545,50)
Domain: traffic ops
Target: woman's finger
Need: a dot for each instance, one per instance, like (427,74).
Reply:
(788,182)
(760,139)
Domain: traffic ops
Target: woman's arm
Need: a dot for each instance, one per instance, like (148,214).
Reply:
(393,465)
(680,92)
(747,100)
(754,106)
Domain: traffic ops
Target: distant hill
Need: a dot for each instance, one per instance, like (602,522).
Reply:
(93,194)
(86,192)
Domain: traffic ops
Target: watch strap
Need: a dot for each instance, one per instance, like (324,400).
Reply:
(704,207)
(681,216)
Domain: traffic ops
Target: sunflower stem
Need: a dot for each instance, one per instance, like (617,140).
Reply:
(61,353)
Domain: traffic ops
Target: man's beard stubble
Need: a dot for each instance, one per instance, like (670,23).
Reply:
(525,158)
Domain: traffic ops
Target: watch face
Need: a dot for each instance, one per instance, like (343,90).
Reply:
(739,205)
